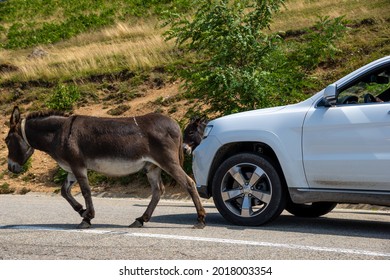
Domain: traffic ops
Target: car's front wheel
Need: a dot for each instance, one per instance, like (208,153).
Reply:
(247,190)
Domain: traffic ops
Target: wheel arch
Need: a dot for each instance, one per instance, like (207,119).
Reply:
(258,148)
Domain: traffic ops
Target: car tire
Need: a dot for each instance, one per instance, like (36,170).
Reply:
(310,210)
(247,190)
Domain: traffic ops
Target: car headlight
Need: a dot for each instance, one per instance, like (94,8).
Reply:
(207,131)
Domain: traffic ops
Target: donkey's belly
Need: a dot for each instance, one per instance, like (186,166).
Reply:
(115,166)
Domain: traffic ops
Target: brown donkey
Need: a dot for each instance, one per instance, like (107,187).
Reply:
(112,146)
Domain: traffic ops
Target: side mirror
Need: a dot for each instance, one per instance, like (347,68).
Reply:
(330,95)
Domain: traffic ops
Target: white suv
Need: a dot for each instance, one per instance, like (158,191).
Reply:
(331,148)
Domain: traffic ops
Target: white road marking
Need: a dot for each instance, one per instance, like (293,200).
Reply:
(206,239)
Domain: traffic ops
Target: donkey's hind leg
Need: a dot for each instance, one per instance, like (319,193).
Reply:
(154,178)
(184,180)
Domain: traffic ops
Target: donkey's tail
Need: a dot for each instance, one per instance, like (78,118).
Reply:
(181,151)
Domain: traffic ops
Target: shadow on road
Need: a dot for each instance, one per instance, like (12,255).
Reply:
(288,223)
(61,227)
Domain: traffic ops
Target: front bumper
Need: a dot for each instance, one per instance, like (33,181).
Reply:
(202,160)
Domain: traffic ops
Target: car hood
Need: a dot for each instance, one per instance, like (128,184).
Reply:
(239,120)
(252,113)
(239,125)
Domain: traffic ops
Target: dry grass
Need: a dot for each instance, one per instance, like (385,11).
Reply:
(140,46)
(303,13)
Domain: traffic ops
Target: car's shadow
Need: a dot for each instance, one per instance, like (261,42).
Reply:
(288,223)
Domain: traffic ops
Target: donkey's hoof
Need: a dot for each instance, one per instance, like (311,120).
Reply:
(199,226)
(84,225)
(136,224)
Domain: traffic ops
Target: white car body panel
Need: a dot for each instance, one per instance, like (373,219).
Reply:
(348,147)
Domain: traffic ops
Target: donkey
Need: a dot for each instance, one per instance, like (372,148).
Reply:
(193,133)
(112,146)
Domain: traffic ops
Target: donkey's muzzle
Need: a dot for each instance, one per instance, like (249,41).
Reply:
(187,149)
(14,167)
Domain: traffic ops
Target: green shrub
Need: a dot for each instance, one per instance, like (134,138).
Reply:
(59,176)
(228,38)
(239,67)
(5,189)
(96,178)
(63,97)
(26,166)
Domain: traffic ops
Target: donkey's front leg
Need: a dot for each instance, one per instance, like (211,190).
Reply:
(66,192)
(89,213)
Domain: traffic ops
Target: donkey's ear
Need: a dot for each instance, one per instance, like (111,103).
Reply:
(15,117)
(197,120)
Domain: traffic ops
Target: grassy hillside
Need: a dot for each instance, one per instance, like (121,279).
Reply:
(368,37)
(116,60)
(54,41)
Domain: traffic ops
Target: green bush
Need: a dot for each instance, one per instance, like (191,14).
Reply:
(63,97)
(5,189)
(240,67)
(59,176)
(228,38)
(26,166)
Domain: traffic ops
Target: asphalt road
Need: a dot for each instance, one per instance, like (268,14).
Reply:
(42,227)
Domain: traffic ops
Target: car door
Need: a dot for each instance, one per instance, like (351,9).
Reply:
(347,146)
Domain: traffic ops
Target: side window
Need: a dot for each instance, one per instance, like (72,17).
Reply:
(371,88)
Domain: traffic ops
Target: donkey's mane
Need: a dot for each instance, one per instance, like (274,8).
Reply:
(45,114)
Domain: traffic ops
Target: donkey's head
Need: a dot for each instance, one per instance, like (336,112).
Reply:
(193,133)
(19,150)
